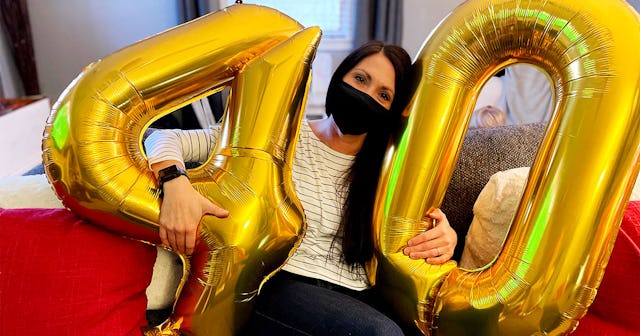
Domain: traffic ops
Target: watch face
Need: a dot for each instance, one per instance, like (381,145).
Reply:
(168,170)
(169,173)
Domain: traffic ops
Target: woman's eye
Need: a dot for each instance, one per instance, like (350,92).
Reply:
(385,96)
(359,78)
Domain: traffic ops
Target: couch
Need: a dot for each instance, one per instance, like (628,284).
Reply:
(52,247)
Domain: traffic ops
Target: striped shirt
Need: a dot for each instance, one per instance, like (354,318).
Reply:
(318,173)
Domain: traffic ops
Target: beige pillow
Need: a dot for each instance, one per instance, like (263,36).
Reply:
(493,212)
(31,191)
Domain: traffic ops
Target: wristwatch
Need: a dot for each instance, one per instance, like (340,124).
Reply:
(169,173)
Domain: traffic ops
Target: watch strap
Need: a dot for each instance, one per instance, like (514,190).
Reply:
(169,173)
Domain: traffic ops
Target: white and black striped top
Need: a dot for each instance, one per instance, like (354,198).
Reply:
(318,173)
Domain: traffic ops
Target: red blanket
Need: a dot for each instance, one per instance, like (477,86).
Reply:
(62,276)
(616,309)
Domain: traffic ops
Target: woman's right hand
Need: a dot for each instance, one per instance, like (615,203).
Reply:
(180,214)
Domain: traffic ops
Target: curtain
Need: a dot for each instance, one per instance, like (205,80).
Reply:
(378,20)
(15,21)
(192,9)
(10,83)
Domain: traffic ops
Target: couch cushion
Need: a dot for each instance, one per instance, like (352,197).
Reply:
(60,275)
(484,152)
(34,191)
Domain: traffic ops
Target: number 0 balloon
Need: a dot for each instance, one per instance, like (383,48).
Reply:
(562,235)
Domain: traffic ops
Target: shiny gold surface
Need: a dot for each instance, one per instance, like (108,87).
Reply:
(95,162)
(554,258)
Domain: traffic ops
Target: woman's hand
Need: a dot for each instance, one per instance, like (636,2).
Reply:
(435,245)
(180,214)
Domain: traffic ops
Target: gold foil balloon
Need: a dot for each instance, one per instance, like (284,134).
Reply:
(94,159)
(555,255)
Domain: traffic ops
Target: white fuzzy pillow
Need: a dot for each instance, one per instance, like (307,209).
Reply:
(34,191)
(493,212)
(31,191)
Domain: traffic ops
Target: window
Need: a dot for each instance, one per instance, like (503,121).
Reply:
(336,18)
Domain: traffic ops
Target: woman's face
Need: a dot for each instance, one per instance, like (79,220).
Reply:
(375,76)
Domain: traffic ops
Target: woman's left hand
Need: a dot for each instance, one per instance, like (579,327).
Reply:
(435,245)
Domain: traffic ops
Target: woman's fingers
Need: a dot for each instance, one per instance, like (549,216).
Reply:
(211,208)
(163,236)
(435,245)
(180,215)
(429,249)
(189,236)
(178,240)
(439,216)
(180,237)
(438,260)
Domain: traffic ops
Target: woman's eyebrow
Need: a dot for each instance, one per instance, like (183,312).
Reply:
(388,90)
(366,74)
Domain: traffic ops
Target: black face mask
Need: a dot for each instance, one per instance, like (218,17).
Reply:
(354,111)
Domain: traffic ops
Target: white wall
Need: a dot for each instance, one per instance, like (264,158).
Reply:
(70,34)
(21,131)
(420,18)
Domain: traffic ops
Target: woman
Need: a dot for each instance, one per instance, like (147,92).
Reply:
(323,288)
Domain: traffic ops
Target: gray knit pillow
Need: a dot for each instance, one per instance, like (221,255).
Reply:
(486,151)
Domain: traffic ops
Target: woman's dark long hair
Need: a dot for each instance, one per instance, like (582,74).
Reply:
(355,227)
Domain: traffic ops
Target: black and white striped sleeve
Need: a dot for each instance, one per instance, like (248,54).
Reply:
(180,145)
